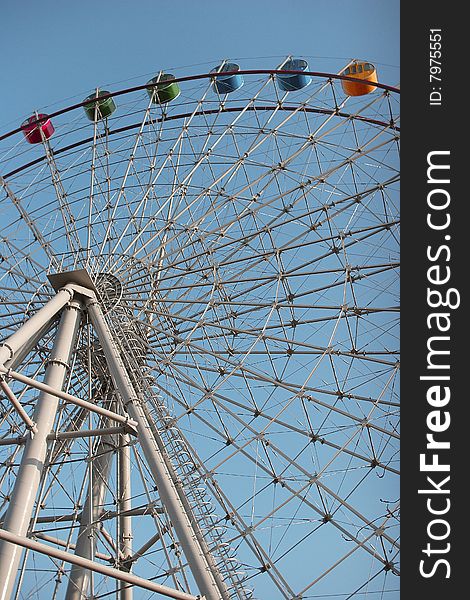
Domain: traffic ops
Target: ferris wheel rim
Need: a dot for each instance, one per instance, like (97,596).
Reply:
(141,87)
(230,109)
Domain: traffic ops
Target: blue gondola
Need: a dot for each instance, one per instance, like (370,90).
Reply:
(290,83)
(225,84)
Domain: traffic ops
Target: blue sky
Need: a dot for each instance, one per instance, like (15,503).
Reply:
(55,52)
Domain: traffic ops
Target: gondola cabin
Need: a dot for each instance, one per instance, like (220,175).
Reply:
(361,72)
(226,84)
(163,88)
(99,107)
(289,82)
(37,128)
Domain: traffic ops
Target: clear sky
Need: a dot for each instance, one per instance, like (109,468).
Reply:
(56,52)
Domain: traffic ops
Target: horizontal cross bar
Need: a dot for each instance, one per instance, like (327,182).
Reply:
(94,566)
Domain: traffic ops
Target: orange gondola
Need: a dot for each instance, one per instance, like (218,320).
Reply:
(362,71)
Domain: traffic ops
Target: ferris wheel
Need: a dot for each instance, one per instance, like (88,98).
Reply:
(199,357)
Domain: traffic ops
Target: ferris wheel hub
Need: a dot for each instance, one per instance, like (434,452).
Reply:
(79,277)
(110,290)
(107,287)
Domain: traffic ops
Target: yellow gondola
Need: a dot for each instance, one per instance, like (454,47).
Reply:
(363,71)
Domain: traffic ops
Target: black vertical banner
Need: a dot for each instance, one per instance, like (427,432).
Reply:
(435,208)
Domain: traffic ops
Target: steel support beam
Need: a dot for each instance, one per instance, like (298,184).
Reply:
(30,329)
(12,539)
(17,405)
(13,440)
(79,578)
(193,544)
(51,390)
(148,544)
(28,346)
(86,433)
(27,482)
(125,505)
(58,542)
(150,509)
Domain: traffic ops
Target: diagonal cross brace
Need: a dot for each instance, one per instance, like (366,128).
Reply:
(193,544)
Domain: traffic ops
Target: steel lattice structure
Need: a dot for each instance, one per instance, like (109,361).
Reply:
(199,366)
